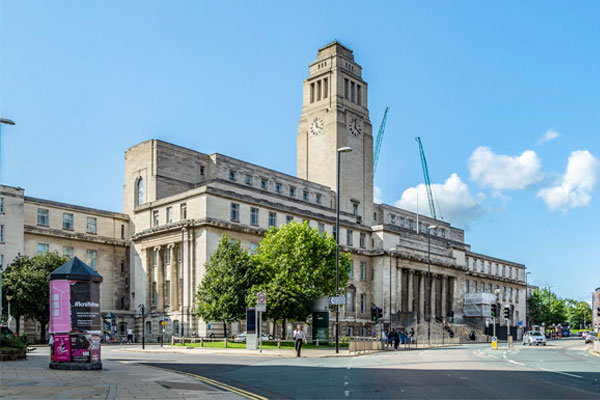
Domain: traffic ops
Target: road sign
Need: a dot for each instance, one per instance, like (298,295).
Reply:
(261,302)
(494,343)
(338,300)
(520,323)
(163,323)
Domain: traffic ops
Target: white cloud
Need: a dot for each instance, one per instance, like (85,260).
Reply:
(454,197)
(504,172)
(576,186)
(548,136)
(377,195)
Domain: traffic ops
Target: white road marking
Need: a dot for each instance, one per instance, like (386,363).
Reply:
(559,372)
(514,362)
(423,352)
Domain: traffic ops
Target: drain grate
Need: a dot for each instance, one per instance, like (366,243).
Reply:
(185,386)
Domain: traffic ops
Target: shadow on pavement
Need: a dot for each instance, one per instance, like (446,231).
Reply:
(305,382)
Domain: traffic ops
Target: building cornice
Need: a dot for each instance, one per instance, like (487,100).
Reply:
(35,230)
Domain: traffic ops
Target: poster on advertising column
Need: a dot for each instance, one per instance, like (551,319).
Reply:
(85,306)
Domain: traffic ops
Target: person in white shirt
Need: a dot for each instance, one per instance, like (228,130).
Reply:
(299,337)
(129,336)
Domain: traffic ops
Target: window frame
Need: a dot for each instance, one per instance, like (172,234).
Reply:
(93,231)
(40,212)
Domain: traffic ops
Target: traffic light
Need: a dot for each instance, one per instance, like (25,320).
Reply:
(373,313)
(494,310)
(598,311)
(379,313)
(507,312)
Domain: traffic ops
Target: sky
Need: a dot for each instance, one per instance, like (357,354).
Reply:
(504,95)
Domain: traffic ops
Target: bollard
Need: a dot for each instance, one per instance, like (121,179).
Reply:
(201,342)
(317,342)
(225,342)
(278,343)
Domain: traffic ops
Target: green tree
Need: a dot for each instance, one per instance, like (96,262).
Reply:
(546,307)
(295,266)
(26,280)
(579,313)
(229,275)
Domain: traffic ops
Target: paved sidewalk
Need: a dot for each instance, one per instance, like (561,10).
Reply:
(32,379)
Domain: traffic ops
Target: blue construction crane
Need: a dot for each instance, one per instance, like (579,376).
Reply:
(379,140)
(427,180)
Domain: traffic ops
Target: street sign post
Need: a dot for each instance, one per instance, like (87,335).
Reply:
(337,300)
(494,343)
(261,307)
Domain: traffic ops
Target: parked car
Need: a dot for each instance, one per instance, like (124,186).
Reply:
(241,337)
(534,337)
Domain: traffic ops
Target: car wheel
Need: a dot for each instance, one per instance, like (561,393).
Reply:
(544,344)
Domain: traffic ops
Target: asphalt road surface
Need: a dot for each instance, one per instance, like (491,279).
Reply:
(562,370)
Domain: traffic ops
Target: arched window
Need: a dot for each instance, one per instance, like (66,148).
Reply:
(148,328)
(139,191)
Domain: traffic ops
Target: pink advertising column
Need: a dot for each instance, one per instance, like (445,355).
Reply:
(75,317)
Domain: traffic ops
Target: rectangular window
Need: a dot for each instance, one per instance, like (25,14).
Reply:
(232,175)
(325,87)
(155,221)
(42,248)
(503,292)
(410,224)
(292,191)
(68,221)
(68,252)
(42,217)
(351,270)
(272,219)
(92,255)
(489,267)
(401,221)
(495,269)
(354,209)
(122,231)
(516,295)
(1,233)
(288,219)
(1,205)
(321,228)
(123,270)
(482,287)
(168,255)
(169,215)
(490,288)
(235,212)
(312,92)
(253,216)
(467,286)
(352,92)
(202,170)
(248,180)
(154,294)
(350,331)
(363,303)
(363,332)
(278,187)
(363,271)
(362,240)
(349,237)
(305,195)
(358,95)
(318,198)
(510,294)
(91,225)
(318,90)
(346,88)
(263,183)
(349,302)
(154,258)
(392,219)
(503,270)
(253,248)
(183,211)
(167,292)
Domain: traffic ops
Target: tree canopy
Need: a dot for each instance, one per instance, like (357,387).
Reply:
(229,275)
(26,280)
(547,308)
(296,266)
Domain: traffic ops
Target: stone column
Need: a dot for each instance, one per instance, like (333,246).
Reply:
(149,267)
(432,296)
(410,295)
(444,297)
(160,279)
(421,295)
(174,278)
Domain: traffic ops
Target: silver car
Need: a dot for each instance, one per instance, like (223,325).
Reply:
(534,337)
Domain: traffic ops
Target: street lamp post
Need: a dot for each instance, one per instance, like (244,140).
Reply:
(429,228)
(337,248)
(549,306)
(181,277)
(391,250)
(526,302)
(7,122)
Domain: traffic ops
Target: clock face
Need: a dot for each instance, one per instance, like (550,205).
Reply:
(355,127)
(316,126)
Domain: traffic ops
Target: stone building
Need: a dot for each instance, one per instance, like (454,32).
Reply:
(178,202)
(181,202)
(32,226)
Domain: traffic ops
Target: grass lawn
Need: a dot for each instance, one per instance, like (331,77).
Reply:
(265,345)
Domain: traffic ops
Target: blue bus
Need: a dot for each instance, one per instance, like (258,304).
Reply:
(565,329)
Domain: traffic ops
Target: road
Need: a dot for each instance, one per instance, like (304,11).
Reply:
(563,369)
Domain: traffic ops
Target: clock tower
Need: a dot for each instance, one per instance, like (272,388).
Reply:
(335,115)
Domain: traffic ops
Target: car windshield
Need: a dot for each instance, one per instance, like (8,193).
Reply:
(535,334)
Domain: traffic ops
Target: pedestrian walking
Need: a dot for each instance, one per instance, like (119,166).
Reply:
(129,336)
(299,337)
(396,339)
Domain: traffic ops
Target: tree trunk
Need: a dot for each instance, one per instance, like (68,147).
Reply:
(283,329)
(43,335)
(18,318)
(225,329)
